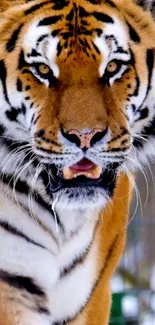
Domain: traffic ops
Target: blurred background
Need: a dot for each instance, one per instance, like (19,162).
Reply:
(133,285)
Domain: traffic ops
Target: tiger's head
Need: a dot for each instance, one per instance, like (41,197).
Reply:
(77,98)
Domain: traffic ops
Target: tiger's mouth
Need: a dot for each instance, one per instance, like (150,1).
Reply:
(83,168)
(83,174)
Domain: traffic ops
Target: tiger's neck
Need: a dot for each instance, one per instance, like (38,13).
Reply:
(72,269)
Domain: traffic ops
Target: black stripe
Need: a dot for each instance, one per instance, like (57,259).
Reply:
(116,150)
(49,20)
(87,45)
(60,4)
(2,129)
(33,116)
(136,91)
(40,134)
(19,85)
(12,145)
(56,32)
(65,322)
(144,113)
(43,310)
(133,34)
(36,118)
(27,98)
(3,76)
(11,229)
(23,108)
(36,7)
(21,283)
(150,129)
(31,73)
(23,188)
(94,2)
(147,132)
(109,254)
(150,64)
(27,71)
(82,42)
(138,143)
(10,45)
(41,38)
(83,13)
(21,62)
(13,113)
(102,17)
(33,53)
(110,3)
(76,17)
(59,49)
(48,151)
(51,141)
(66,35)
(121,50)
(77,261)
(96,48)
(98,31)
(124,131)
(70,16)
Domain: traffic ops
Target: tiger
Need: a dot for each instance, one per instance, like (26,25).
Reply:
(77,120)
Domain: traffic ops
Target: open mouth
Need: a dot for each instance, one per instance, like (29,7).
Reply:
(82,175)
(83,168)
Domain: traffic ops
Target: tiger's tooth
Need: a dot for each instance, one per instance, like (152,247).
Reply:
(87,174)
(67,173)
(97,171)
(94,173)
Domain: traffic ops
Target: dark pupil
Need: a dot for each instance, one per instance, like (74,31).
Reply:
(43,71)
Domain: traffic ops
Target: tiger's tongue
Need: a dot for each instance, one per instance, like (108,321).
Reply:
(85,168)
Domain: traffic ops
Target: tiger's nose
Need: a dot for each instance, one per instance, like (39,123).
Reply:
(85,139)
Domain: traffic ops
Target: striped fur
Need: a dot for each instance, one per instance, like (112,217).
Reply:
(61,239)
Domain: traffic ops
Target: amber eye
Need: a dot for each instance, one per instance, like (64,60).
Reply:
(43,69)
(113,66)
(43,72)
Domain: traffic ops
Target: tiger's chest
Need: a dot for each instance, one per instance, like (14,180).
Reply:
(61,277)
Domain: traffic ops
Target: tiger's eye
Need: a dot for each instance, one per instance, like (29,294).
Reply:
(112,66)
(43,69)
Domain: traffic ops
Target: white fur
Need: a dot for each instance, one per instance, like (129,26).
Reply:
(47,48)
(117,29)
(20,257)
(106,49)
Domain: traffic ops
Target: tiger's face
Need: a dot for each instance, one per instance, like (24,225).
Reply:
(77,98)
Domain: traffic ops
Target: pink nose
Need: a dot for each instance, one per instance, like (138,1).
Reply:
(87,138)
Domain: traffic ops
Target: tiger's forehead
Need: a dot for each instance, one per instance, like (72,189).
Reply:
(56,36)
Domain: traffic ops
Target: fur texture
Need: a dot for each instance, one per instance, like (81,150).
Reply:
(69,67)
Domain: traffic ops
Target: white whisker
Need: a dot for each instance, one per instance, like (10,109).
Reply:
(144,175)
(138,198)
